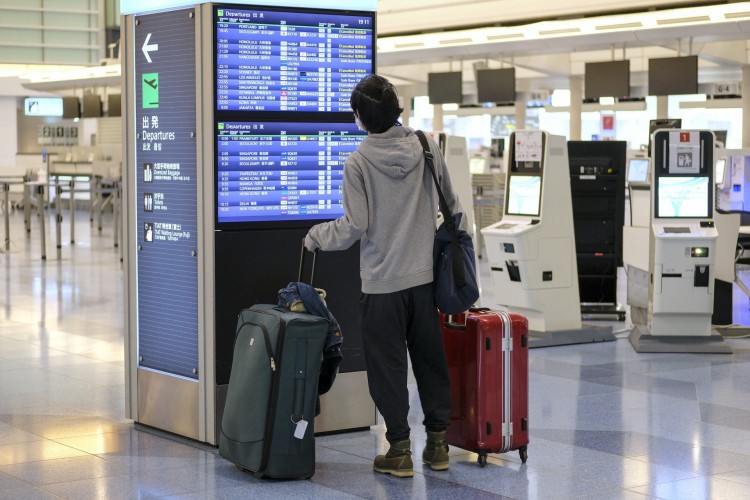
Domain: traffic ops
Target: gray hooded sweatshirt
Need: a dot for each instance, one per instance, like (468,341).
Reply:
(390,205)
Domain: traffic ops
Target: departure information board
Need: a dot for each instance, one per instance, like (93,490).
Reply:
(276,60)
(281,171)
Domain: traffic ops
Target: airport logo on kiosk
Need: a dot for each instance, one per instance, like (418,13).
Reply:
(684,136)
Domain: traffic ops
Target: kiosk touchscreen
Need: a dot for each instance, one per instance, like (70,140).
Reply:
(639,170)
(682,246)
(531,250)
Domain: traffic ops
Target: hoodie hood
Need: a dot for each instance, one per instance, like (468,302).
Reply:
(395,152)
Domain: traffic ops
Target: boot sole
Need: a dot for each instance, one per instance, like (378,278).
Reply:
(395,473)
(438,466)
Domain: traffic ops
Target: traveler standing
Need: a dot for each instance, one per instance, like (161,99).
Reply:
(390,207)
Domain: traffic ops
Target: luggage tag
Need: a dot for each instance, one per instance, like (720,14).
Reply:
(299,431)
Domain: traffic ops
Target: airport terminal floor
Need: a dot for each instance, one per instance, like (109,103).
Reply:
(605,421)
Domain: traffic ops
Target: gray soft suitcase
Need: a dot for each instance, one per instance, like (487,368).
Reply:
(268,423)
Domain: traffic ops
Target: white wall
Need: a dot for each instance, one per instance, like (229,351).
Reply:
(8,135)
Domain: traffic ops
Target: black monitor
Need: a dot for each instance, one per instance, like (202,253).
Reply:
(639,170)
(673,75)
(71,107)
(497,147)
(114,105)
(496,85)
(607,79)
(92,106)
(683,169)
(654,125)
(444,88)
(721,136)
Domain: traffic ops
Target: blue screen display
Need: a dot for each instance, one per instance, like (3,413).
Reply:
(282,171)
(269,60)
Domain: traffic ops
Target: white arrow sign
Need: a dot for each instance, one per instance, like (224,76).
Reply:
(148,48)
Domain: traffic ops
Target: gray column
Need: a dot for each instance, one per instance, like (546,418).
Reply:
(521,115)
(406,94)
(437,118)
(746,105)
(662,106)
(576,99)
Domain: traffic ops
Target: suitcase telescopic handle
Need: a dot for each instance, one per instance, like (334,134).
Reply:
(302,263)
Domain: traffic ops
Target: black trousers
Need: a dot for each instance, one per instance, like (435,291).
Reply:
(393,323)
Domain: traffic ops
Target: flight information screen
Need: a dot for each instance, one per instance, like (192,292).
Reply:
(282,171)
(275,60)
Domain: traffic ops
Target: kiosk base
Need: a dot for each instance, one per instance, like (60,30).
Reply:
(596,311)
(643,341)
(586,334)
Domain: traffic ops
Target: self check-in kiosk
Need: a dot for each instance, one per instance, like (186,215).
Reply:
(635,235)
(531,250)
(682,247)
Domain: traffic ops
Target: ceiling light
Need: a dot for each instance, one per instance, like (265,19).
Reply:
(684,20)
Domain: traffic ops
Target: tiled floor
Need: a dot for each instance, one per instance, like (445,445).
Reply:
(605,422)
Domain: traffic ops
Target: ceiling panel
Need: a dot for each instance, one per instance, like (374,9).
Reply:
(399,16)
(548,53)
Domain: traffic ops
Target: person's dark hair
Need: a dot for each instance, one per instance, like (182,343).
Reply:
(375,100)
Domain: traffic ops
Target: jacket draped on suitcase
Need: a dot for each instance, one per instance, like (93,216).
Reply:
(268,423)
(487,354)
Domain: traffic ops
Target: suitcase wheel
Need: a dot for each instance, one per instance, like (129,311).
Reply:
(482,459)
(524,454)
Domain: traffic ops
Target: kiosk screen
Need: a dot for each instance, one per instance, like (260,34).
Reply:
(524,194)
(282,171)
(682,197)
(638,170)
(279,60)
(721,166)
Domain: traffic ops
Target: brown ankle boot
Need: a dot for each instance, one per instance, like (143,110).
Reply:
(397,462)
(435,452)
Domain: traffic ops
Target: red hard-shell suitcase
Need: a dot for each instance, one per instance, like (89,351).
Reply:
(488,362)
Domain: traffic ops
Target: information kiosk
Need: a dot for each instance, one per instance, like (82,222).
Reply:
(635,236)
(682,247)
(531,250)
(237,127)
